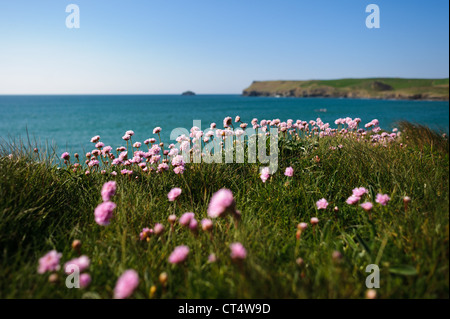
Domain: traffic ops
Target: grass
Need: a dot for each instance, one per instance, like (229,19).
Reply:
(43,207)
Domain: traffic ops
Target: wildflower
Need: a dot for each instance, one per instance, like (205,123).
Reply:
(126,137)
(85,280)
(108,190)
(302,226)
(95,139)
(145,234)
(126,284)
(49,262)
(221,203)
(193,224)
(131,133)
(137,145)
(382,199)
(336,256)
(163,277)
(212,258)
(238,251)
(352,200)
(65,156)
(104,212)
(371,294)
(158,229)
(289,171)
(81,262)
(227,121)
(322,204)
(406,199)
(185,219)
(359,192)
(207,224)
(367,206)
(99,145)
(113,173)
(174,193)
(179,254)
(237,119)
(265,174)
(314,221)
(157,130)
(53,278)
(76,244)
(172,218)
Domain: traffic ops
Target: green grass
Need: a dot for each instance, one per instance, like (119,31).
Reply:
(44,208)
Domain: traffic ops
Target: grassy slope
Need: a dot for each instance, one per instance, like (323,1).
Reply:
(42,208)
(429,88)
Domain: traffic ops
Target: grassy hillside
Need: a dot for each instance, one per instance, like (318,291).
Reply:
(382,88)
(44,207)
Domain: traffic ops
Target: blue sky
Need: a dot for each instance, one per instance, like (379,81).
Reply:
(212,46)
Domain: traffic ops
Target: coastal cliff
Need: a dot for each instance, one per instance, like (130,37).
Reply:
(373,88)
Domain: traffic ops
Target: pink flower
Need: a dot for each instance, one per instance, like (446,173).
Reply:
(185,219)
(85,280)
(238,251)
(289,171)
(352,200)
(322,204)
(156,130)
(104,212)
(99,145)
(158,229)
(367,206)
(382,199)
(81,262)
(207,224)
(359,192)
(174,193)
(126,284)
(49,262)
(193,224)
(302,226)
(221,203)
(126,137)
(137,145)
(179,254)
(227,121)
(314,221)
(265,174)
(108,190)
(131,133)
(95,139)
(237,119)
(212,258)
(145,233)
(65,156)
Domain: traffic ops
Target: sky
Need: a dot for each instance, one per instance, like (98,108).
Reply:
(212,46)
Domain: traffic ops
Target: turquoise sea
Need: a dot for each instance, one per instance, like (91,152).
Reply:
(71,121)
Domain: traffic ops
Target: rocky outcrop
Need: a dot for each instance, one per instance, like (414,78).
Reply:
(407,89)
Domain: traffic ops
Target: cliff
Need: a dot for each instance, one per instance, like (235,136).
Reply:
(376,88)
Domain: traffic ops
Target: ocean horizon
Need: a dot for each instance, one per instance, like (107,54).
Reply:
(69,121)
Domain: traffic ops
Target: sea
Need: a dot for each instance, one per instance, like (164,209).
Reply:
(68,122)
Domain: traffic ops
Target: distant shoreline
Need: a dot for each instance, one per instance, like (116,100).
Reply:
(370,88)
